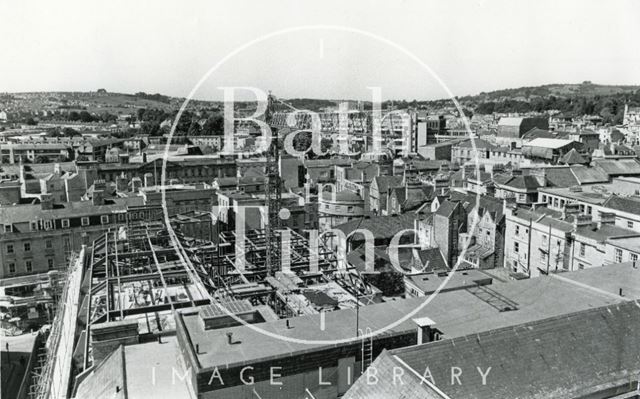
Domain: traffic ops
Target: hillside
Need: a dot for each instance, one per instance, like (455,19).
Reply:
(585,89)
(586,98)
(93,102)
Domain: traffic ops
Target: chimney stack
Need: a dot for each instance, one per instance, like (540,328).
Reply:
(46,202)
(98,197)
(136,184)
(425,330)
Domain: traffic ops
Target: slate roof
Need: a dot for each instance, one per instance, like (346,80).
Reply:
(569,356)
(573,157)
(486,203)
(446,208)
(560,177)
(425,260)
(380,226)
(586,175)
(618,167)
(26,213)
(624,204)
(344,195)
(479,143)
(384,182)
(529,183)
(536,133)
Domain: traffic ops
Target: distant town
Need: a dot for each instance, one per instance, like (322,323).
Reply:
(447,250)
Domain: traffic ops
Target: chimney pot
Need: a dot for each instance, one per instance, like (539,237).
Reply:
(230,337)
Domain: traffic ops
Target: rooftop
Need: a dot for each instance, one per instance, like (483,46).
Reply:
(457,313)
(380,226)
(548,143)
(628,243)
(569,356)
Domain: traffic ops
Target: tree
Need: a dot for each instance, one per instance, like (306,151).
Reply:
(151,128)
(194,129)
(42,159)
(70,132)
(86,117)
(214,126)
(302,141)
(31,121)
(391,283)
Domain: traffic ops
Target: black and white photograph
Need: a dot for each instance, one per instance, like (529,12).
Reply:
(265,199)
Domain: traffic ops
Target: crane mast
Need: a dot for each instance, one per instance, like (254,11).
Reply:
(273,195)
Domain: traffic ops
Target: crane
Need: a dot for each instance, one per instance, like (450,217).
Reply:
(273,195)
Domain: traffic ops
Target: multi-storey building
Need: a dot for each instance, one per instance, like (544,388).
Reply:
(38,238)
(595,203)
(544,241)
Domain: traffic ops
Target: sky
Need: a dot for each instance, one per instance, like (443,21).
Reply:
(168,46)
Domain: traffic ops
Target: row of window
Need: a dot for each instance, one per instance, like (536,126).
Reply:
(37,225)
(28,265)
(618,256)
(10,249)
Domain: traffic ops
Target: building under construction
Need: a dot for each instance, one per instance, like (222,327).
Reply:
(133,282)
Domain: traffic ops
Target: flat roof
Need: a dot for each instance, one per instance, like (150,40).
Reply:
(457,313)
(609,278)
(629,243)
(430,282)
(548,143)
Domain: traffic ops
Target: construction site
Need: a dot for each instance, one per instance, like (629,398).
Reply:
(131,286)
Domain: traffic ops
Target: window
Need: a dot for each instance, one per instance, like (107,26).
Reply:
(580,266)
(27,247)
(12,268)
(48,244)
(634,258)
(104,219)
(8,228)
(65,223)
(47,224)
(583,249)
(84,221)
(50,263)
(34,226)
(516,247)
(517,230)
(543,258)
(29,266)
(630,225)
(9,248)
(618,255)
